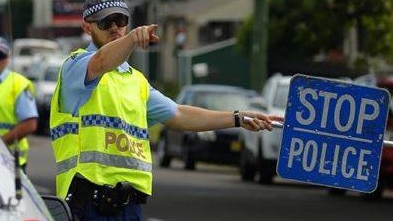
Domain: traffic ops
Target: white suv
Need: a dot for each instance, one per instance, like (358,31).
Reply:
(43,71)
(24,49)
(260,150)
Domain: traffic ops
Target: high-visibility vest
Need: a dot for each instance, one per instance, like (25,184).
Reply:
(10,89)
(108,141)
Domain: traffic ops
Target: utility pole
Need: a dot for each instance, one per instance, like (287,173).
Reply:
(3,17)
(259,44)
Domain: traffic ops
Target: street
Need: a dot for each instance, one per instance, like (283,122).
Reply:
(217,193)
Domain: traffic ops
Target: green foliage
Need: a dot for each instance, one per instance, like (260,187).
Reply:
(302,28)
(244,38)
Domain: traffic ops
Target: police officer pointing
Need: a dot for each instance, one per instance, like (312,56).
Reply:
(100,114)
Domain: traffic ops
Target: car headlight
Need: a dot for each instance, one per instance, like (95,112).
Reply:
(207,135)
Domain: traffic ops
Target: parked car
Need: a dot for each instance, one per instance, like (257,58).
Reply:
(19,200)
(24,49)
(219,146)
(260,150)
(70,44)
(43,72)
(385,179)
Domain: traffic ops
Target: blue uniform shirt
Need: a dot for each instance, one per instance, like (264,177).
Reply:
(75,91)
(25,104)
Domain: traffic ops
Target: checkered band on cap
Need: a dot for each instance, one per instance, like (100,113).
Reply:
(92,8)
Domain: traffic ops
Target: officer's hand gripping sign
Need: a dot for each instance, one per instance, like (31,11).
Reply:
(333,133)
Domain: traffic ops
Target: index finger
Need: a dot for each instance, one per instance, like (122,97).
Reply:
(152,29)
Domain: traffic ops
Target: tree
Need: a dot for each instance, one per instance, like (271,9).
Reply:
(13,23)
(303,28)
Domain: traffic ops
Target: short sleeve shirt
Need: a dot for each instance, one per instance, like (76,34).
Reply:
(75,91)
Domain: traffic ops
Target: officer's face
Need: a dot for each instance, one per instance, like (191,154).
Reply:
(108,29)
(3,63)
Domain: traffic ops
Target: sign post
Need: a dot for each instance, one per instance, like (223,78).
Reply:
(333,133)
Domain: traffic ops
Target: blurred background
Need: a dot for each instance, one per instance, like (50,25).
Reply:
(231,42)
(253,45)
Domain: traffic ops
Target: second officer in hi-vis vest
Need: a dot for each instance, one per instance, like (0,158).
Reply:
(18,110)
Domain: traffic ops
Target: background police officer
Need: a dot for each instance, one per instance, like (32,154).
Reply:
(18,111)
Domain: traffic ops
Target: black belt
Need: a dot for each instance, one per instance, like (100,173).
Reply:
(82,191)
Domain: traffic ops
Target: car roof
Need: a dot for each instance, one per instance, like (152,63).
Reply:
(213,87)
(47,59)
(36,41)
(282,79)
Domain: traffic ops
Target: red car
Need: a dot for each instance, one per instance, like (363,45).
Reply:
(385,180)
(386,169)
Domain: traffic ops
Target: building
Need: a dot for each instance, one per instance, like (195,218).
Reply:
(183,25)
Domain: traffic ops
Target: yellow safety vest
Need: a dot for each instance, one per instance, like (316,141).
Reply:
(10,89)
(108,141)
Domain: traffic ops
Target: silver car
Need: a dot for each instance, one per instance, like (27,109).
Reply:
(44,72)
(218,146)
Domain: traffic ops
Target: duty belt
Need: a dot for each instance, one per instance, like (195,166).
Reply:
(107,198)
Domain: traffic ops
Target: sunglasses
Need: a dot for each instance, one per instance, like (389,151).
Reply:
(3,56)
(106,23)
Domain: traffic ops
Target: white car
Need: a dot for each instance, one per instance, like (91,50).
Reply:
(43,72)
(260,150)
(19,200)
(24,49)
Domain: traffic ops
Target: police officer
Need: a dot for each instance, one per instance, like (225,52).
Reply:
(18,111)
(100,114)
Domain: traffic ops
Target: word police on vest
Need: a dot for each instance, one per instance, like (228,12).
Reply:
(124,144)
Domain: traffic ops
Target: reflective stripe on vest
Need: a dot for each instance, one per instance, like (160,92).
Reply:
(105,159)
(6,126)
(99,120)
(63,129)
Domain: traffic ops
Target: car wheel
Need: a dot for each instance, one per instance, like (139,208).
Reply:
(188,158)
(164,159)
(266,171)
(336,192)
(266,168)
(247,168)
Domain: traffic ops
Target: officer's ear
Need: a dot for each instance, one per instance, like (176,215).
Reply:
(86,27)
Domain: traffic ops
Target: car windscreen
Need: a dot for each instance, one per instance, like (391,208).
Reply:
(221,100)
(29,51)
(280,100)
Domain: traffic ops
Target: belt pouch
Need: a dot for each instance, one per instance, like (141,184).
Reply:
(111,201)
